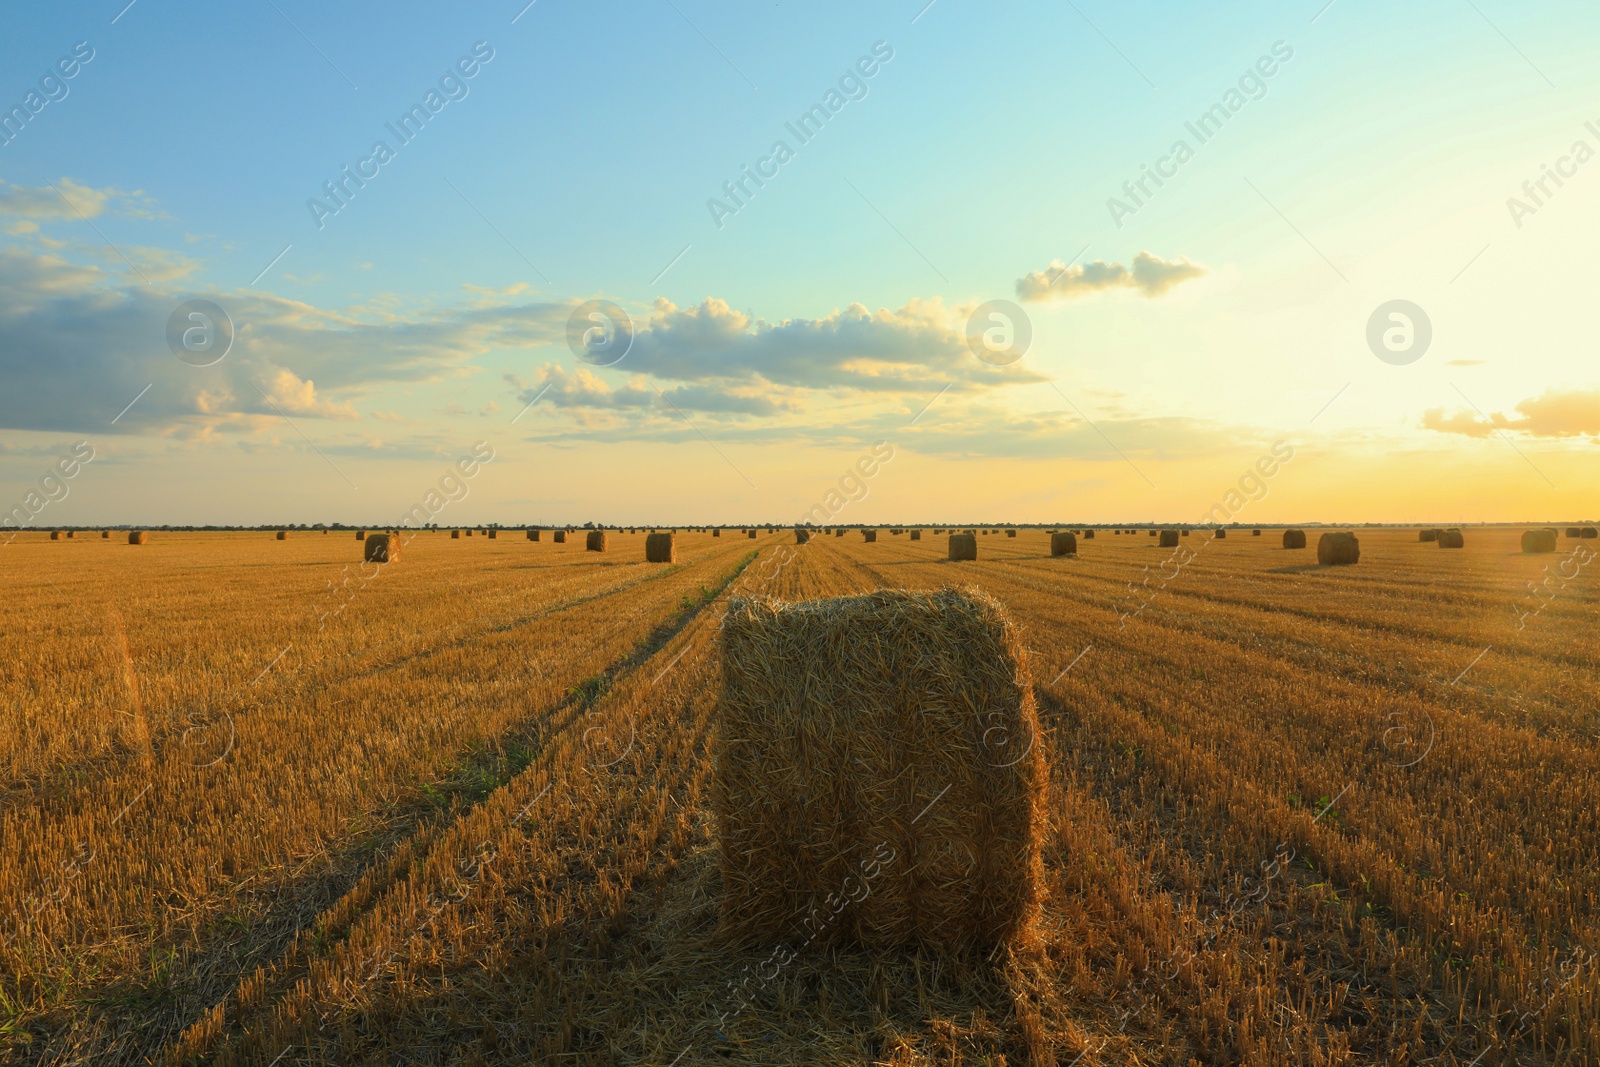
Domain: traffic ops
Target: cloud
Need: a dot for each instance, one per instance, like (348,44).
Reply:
(918,348)
(1555,413)
(81,201)
(585,390)
(1151,275)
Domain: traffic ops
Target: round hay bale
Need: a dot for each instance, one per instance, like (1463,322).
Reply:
(869,536)
(382,548)
(802,536)
(283,535)
(596,541)
(533,535)
(1338,548)
(1427,535)
(849,755)
(494,535)
(559,537)
(1088,535)
(1590,531)
(1152,533)
(1169,538)
(1539,541)
(1451,539)
(105,535)
(71,534)
(1574,531)
(55,535)
(750,534)
(916,535)
(839,532)
(1063,544)
(1255,533)
(455,535)
(1294,539)
(1011,533)
(138,537)
(1185,531)
(660,548)
(361,535)
(717,532)
(963,546)
(1221,534)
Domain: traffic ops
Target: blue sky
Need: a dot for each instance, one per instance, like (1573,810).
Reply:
(1374,163)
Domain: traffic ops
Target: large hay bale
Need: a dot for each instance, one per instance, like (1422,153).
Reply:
(533,535)
(879,749)
(1574,531)
(1539,541)
(916,535)
(963,546)
(596,541)
(1294,539)
(1338,548)
(1063,544)
(382,548)
(660,548)
(869,535)
(1427,535)
(138,537)
(559,537)
(1590,531)
(1169,539)
(1451,539)
(283,535)
(802,536)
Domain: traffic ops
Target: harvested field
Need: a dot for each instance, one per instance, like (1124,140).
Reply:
(462,812)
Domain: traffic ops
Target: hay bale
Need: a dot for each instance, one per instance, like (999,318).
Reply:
(1427,535)
(963,546)
(55,535)
(1590,531)
(1255,533)
(879,748)
(1539,541)
(559,537)
(1574,531)
(750,534)
(596,541)
(1185,531)
(533,535)
(1152,533)
(916,535)
(1169,538)
(1294,539)
(1063,544)
(382,548)
(494,535)
(1011,533)
(1451,539)
(455,535)
(717,532)
(138,537)
(105,535)
(1221,534)
(802,536)
(660,548)
(361,535)
(1338,548)
(283,535)
(71,534)
(869,535)
(1088,535)
(839,532)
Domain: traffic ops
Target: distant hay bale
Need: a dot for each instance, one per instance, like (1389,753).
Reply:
(839,532)
(105,535)
(1063,544)
(1539,541)
(1451,539)
(750,534)
(559,537)
(1590,531)
(494,535)
(71,534)
(802,536)
(717,532)
(963,546)
(382,548)
(1294,539)
(879,748)
(1088,535)
(1152,533)
(1427,535)
(361,535)
(660,548)
(869,535)
(596,541)
(138,537)
(1011,533)
(533,535)
(1169,539)
(1221,534)
(283,535)
(916,535)
(1184,531)
(1574,531)
(1338,548)
(1255,533)
(455,535)
(55,535)
(469,533)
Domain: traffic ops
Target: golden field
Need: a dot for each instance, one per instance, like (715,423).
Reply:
(262,805)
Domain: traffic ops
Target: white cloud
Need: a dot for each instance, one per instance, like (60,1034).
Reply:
(1150,275)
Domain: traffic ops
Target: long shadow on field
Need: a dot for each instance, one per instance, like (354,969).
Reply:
(292,926)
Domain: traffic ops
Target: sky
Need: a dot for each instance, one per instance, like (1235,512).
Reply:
(677,261)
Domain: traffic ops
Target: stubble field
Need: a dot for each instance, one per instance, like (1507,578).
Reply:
(262,806)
